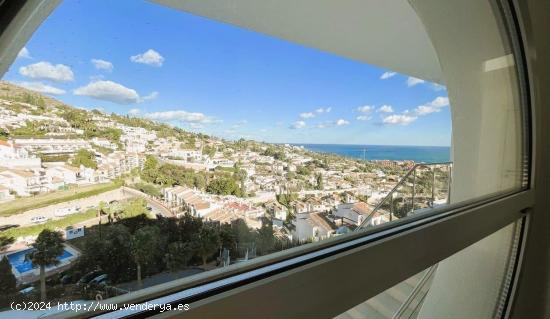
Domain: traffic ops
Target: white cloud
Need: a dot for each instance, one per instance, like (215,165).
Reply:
(298,125)
(307,115)
(323,110)
(412,81)
(41,87)
(183,116)
(102,64)
(385,109)
(438,87)
(150,57)
(366,109)
(24,53)
(47,71)
(401,119)
(387,75)
(364,117)
(328,124)
(134,111)
(153,95)
(440,101)
(432,107)
(109,91)
(341,122)
(425,110)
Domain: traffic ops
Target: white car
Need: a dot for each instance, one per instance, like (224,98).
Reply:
(39,219)
(60,212)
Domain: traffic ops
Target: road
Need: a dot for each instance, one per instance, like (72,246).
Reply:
(24,219)
(326,192)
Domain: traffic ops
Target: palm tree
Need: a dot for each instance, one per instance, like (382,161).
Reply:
(47,247)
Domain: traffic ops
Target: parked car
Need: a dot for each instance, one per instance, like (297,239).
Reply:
(100,280)
(65,211)
(88,277)
(39,219)
(27,291)
(66,279)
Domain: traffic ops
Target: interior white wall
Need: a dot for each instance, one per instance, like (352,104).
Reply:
(482,89)
(486,146)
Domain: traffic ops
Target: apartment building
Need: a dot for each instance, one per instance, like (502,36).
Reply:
(185,199)
(52,146)
(22,182)
(17,157)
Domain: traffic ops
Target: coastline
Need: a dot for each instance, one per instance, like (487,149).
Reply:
(419,154)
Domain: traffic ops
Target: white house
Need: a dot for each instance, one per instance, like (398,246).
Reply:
(23,182)
(17,157)
(353,214)
(5,194)
(313,226)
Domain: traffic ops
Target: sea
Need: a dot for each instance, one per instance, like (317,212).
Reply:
(418,154)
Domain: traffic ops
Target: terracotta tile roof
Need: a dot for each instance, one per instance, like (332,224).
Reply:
(318,220)
(361,208)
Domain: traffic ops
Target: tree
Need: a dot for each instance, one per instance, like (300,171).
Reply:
(224,186)
(209,150)
(151,163)
(200,181)
(319,180)
(85,158)
(265,240)
(178,255)
(8,283)
(241,231)
(47,247)
(5,242)
(303,170)
(189,227)
(109,252)
(208,242)
(286,198)
(144,246)
(4,135)
(150,169)
(290,219)
(228,238)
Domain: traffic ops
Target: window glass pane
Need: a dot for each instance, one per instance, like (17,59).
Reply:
(477,276)
(147,142)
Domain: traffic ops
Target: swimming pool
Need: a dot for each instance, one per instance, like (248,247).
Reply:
(17,260)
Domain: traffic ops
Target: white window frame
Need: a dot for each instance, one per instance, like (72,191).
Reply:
(310,282)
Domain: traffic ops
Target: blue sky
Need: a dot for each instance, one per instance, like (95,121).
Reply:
(138,58)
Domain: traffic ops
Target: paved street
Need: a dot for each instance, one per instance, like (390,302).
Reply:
(24,219)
